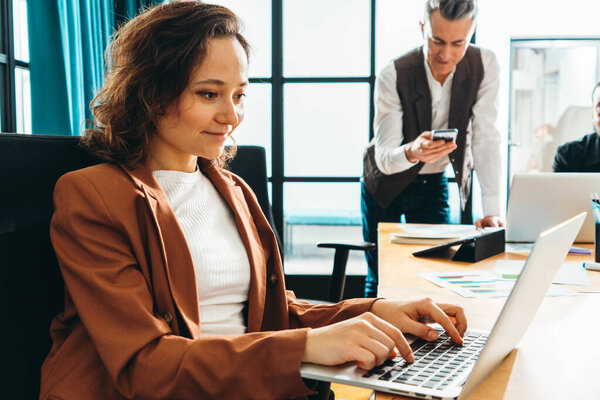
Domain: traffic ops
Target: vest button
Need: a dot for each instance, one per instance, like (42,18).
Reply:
(273,279)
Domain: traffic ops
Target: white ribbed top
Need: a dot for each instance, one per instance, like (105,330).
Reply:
(220,259)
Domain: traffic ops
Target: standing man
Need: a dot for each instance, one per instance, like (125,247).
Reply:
(446,83)
(582,155)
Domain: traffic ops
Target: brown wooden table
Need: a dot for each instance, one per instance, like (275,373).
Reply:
(559,357)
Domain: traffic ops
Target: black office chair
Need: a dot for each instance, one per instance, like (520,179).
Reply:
(31,286)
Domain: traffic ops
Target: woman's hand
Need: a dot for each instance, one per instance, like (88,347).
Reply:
(366,339)
(412,317)
(370,338)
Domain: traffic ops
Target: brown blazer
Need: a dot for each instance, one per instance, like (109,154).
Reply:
(131,326)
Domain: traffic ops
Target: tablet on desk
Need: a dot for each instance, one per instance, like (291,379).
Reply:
(472,249)
(436,250)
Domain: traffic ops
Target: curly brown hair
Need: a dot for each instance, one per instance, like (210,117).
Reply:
(150,62)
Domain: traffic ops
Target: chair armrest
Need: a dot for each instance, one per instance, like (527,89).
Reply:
(337,281)
(356,245)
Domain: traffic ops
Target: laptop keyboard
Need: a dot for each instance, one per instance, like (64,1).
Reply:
(437,364)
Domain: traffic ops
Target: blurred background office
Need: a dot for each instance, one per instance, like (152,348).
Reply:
(310,100)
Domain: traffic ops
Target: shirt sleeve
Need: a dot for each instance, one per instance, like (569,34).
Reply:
(305,314)
(560,160)
(485,135)
(570,156)
(389,151)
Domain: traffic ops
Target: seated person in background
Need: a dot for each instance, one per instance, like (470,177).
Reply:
(174,284)
(582,155)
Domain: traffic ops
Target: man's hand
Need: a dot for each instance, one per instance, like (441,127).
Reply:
(490,220)
(427,150)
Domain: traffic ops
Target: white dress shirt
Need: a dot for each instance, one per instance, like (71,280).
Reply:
(389,151)
(220,260)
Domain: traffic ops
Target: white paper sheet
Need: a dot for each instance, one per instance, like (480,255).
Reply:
(482,284)
(437,231)
(570,273)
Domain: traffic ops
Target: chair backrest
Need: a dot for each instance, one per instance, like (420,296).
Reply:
(31,286)
(250,163)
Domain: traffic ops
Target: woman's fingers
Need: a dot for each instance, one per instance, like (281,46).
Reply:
(366,339)
(421,330)
(370,340)
(379,351)
(395,335)
(439,316)
(391,336)
(426,311)
(364,358)
(459,316)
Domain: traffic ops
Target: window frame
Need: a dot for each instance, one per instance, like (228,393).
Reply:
(10,63)
(278,80)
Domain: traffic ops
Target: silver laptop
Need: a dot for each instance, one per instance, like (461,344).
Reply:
(538,201)
(444,370)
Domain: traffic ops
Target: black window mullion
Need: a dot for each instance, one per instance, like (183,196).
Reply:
(277,140)
(9,118)
(372,76)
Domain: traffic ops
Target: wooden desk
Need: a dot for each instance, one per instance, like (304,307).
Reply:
(559,356)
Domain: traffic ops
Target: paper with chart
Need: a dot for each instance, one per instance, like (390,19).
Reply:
(570,273)
(481,284)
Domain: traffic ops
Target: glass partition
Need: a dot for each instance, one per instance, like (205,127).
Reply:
(551,82)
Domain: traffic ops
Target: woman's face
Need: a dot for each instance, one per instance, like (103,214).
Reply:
(208,111)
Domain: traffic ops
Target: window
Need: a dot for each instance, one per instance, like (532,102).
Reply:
(310,104)
(15,93)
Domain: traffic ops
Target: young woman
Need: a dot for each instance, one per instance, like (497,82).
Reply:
(174,285)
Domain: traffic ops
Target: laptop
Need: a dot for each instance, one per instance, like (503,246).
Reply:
(444,370)
(538,201)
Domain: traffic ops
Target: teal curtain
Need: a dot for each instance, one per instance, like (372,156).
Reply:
(85,29)
(125,10)
(49,98)
(67,43)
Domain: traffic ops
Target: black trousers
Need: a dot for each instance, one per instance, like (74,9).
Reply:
(424,200)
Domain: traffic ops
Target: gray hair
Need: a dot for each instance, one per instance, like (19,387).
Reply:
(594,91)
(452,9)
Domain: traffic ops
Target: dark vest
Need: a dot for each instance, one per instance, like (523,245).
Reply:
(415,98)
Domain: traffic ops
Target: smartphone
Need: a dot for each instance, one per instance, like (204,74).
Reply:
(447,135)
